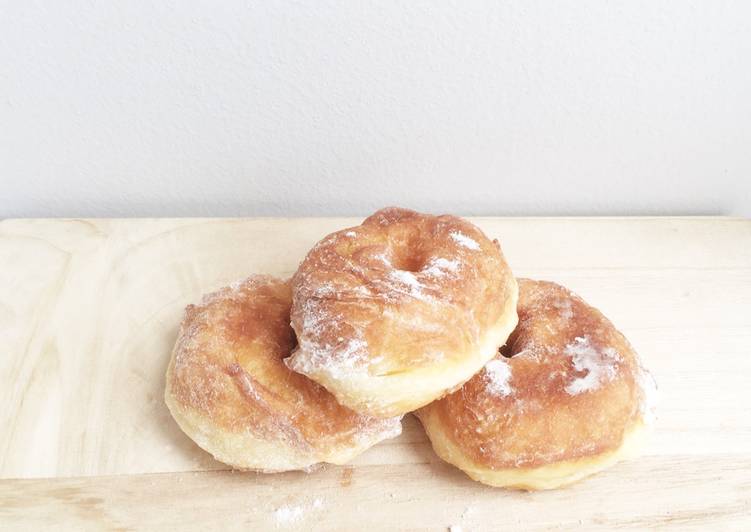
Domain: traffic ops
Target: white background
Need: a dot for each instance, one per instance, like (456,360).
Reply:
(338,107)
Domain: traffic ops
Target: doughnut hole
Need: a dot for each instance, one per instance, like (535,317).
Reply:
(508,350)
(505,351)
(406,260)
(408,256)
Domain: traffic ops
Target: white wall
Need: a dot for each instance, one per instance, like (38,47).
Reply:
(338,107)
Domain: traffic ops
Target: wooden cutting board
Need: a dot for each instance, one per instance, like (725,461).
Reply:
(89,311)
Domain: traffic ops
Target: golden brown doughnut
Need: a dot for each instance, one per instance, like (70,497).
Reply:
(571,400)
(400,310)
(229,390)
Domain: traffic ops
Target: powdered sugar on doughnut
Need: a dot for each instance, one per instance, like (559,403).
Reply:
(390,427)
(413,322)
(345,358)
(324,290)
(384,259)
(351,348)
(600,366)
(409,279)
(440,267)
(564,306)
(337,358)
(464,240)
(498,375)
(402,283)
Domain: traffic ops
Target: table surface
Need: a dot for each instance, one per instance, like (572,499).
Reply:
(89,310)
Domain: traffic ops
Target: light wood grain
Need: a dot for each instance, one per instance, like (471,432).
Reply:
(708,495)
(89,310)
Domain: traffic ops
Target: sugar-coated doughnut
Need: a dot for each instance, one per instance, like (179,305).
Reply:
(400,310)
(572,399)
(229,390)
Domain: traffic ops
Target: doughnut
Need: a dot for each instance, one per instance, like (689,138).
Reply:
(230,392)
(395,313)
(566,397)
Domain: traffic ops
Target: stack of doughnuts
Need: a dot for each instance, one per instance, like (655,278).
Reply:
(518,383)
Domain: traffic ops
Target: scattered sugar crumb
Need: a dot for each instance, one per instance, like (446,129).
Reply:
(455,528)
(464,240)
(288,514)
(469,510)
(350,233)
(498,374)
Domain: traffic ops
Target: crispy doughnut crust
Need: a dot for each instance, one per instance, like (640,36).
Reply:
(400,310)
(572,399)
(229,390)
